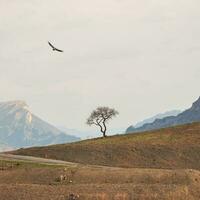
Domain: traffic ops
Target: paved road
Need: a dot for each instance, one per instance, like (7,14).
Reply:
(34,159)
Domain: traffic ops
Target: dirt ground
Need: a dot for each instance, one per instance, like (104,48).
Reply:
(157,165)
(28,181)
(98,192)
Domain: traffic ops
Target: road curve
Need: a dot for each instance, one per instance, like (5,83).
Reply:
(34,160)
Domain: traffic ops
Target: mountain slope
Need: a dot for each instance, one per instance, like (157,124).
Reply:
(20,128)
(188,116)
(152,119)
(175,147)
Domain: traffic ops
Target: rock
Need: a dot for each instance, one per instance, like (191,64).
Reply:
(73,197)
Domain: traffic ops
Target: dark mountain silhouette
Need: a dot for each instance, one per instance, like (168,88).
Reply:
(188,116)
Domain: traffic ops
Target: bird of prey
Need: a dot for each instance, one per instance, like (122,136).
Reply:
(54,48)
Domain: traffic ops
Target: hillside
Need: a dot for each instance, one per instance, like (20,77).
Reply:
(175,147)
(20,128)
(188,116)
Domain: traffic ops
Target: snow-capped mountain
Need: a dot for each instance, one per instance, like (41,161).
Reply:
(20,128)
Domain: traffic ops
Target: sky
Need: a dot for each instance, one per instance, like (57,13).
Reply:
(139,57)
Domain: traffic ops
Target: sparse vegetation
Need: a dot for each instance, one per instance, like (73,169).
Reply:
(176,147)
(12,164)
(91,182)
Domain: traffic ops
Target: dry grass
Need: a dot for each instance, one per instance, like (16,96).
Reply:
(170,148)
(161,166)
(99,192)
(32,182)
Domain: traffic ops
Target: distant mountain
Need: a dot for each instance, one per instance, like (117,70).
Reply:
(20,128)
(5,147)
(90,134)
(78,133)
(152,119)
(188,116)
(158,116)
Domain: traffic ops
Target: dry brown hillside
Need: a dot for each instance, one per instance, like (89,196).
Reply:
(176,147)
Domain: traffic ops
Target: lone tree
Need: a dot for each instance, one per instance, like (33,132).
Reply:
(100,117)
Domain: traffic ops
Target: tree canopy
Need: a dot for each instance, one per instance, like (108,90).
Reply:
(100,117)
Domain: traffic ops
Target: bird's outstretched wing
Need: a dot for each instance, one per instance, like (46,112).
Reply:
(51,45)
(58,50)
(54,48)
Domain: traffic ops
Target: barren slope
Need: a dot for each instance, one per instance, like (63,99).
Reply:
(22,180)
(176,147)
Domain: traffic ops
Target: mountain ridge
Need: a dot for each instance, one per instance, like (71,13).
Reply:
(188,116)
(20,128)
(153,118)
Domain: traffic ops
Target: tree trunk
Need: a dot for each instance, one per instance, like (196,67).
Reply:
(101,129)
(105,129)
(104,134)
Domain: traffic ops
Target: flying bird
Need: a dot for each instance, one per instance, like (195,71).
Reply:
(54,48)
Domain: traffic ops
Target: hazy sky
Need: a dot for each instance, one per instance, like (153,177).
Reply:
(141,57)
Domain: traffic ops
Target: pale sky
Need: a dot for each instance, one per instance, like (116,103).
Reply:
(141,57)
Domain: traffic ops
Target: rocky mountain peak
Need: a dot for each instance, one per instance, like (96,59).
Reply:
(20,128)
(14,105)
(196,104)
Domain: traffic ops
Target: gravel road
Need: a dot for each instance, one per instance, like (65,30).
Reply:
(34,159)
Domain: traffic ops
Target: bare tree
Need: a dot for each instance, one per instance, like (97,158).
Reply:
(100,117)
